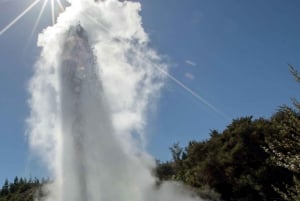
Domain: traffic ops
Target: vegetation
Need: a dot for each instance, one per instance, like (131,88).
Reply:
(250,160)
(285,147)
(21,189)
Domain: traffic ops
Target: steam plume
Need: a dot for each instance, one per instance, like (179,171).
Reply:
(93,85)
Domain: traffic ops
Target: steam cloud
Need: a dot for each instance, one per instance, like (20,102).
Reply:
(86,138)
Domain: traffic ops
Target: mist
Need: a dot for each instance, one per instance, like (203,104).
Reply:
(94,85)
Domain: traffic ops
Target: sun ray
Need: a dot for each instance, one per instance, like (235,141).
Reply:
(98,23)
(193,93)
(52,12)
(38,19)
(60,5)
(190,91)
(19,17)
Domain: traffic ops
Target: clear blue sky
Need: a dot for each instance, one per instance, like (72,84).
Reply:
(232,53)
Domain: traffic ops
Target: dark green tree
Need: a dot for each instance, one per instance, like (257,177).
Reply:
(5,188)
(232,163)
(285,146)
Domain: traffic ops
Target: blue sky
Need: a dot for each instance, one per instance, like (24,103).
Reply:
(232,53)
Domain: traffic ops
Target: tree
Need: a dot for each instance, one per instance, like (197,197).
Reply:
(285,147)
(231,163)
(21,189)
(5,188)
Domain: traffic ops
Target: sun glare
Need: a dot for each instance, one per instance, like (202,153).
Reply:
(30,7)
(60,8)
(193,93)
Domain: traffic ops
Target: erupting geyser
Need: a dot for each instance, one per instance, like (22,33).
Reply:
(83,115)
(90,92)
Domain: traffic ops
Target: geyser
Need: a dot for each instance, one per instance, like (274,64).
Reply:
(84,117)
(93,84)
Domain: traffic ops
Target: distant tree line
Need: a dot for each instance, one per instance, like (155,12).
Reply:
(252,159)
(21,189)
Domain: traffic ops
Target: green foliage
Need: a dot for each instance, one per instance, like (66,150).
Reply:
(232,163)
(250,160)
(285,150)
(165,171)
(20,189)
(284,146)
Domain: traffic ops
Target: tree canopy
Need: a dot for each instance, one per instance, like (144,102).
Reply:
(252,159)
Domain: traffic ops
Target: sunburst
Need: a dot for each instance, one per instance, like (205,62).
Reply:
(58,4)
(53,5)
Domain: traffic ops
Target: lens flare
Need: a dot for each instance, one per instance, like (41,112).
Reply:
(31,6)
(52,12)
(194,94)
(60,5)
(38,19)
(171,77)
(14,21)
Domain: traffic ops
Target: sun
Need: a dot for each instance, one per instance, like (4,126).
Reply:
(56,5)
(53,5)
